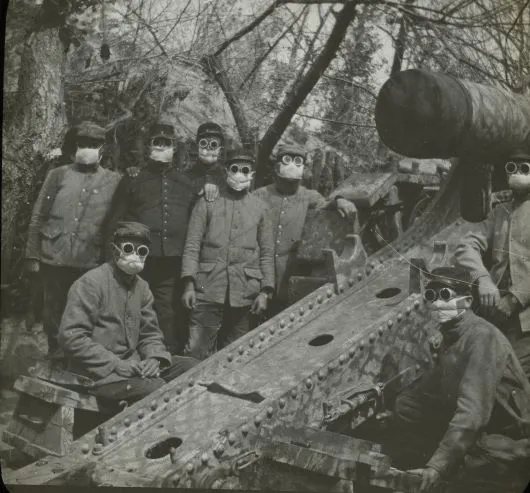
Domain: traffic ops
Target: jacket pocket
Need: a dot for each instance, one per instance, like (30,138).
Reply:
(253,278)
(51,231)
(202,275)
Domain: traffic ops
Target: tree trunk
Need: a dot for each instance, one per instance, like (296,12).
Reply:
(37,126)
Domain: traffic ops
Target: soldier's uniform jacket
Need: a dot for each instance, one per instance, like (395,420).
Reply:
(162,198)
(229,247)
(484,391)
(287,215)
(502,241)
(68,220)
(107,320)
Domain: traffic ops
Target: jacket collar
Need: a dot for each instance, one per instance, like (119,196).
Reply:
(82,168)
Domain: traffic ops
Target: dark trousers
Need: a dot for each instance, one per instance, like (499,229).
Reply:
(215,325)
(56,282)
(163,276)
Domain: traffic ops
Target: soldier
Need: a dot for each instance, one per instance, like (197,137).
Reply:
(227,263)
(109,331)
(470,413)
(65,236)
(287,204)
(162,196)
(497,253)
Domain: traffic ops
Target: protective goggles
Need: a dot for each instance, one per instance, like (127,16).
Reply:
(211,144)
(129,248)
(87,142)
(161,142)
(511,168)
(240,168)
(444,294)
(287,159)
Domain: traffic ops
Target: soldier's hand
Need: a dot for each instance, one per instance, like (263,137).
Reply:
(488,294)
(259,305)
(508,305)
(430,478)
(32,266)
(210,192)
(132,171)
(189,298)
(150,368)
(128,369)
(346,208)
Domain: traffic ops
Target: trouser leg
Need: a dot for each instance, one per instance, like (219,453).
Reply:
(205,320)
(129,390)
(236,323)
(56,284)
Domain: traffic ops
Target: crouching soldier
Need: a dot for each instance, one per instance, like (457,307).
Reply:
(287,203)
(227,263)
(109,331)
(497,253)
(65,236)
(469,414)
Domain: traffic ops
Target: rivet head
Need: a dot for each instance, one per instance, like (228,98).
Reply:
(331,366)
(389,323)
(204,458)
(351,351)
(301,311)
(257,421)
(97,448)
(112,438)
(416,303)
(341,288)
(418,367)
(380,330)
(251,343)
(166,398)
(294,393)
(282,324)
(270,411)
(351,281)
(291,316)
(113,430)
(321,375)
(140,413)
(262,336)
(229,357)
(85,448)
(320,299)
(361,345)
(308,383)
(179,390)
(231,439)
(329,293)
(244,430)
(240,350)
(371,338)
(372,264)
(399,317)
(359,276)
(127,422)
(408,310)
(272,329)
(153,405)
(342,359)
(189,468)
(281,403)
(310,305)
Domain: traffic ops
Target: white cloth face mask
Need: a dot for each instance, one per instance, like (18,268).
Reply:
(239,181)
(87,155)
(161,154)
(445,311)
(290,171)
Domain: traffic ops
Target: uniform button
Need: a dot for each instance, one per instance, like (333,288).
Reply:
(278,242)
(277,255)
(76,219)
(280,226)
(283,212)
(84,189)
(79,203)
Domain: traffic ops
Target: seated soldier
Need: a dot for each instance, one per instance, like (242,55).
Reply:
(109,331)
(470,413)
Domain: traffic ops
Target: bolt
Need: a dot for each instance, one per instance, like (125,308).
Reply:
(270,411)
(311,305)
(204,458)
(111,438)
(329,293)
(272,330)
(361,345)
(140,413)
(85,448)
(229,357)
(189,468)
(321,375)
(153,405)
(240,350)
(380,330)
(179,391)
(331,366)
(399,317)
(308,383)
(176,480)
(293,393)
(408,310)
(341,288)
(166,398)
(301,311)
(282,324)
(359,276)
(98,448)
(251,343)
(418,367)
(113,430)
(281,403)
(371,338)
(372,264)
(416,304)
(244,430)
(262,336)
(291,316)
(319,298)
(231,439)
(257,421)
(351,351)
(342,359)
(130,469)
(190,383)
(351,281)
(389,323)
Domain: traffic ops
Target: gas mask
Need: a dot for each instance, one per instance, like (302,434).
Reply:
(290,167)
(209,150)
(130,259)
(88,156)
(239,176)
(446,305)
(518,174)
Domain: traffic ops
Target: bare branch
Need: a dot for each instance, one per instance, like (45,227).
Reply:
(351,83)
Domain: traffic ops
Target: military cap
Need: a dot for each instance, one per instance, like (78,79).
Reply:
(209,129)
(131,230)
(238,155)
(291,149)
(456,278)
(519,154)
(90,130)
(163,127)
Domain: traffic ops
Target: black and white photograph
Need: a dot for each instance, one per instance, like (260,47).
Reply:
(265,245)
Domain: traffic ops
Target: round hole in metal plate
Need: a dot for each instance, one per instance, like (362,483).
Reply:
(321,340)
(388,293)
(161,449)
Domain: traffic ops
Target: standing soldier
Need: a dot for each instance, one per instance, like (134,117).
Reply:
(287,203)
(65,236)
(161,196)
(227,264)
(497,253)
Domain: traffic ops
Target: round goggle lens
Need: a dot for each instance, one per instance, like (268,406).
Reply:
(445,294)
(142,250)
(127,248)
(430,295)
(524,168)
(510,167)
